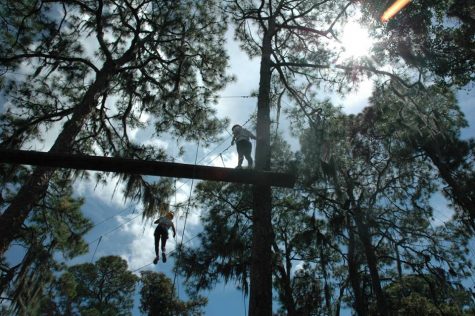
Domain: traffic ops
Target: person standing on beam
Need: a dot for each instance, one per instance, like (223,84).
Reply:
(241,137)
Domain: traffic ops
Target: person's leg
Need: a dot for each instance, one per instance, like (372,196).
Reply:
(164,243)
(157,240)
(247,149)
(239,147)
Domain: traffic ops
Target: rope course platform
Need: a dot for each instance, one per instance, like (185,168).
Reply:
(146,167)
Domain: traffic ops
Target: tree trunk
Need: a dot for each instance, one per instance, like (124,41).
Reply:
(285,281)
(326,288)
(398,262)
(363,232)
(353,274)
(37,184)
(462,195)
(340,297)
(260,298)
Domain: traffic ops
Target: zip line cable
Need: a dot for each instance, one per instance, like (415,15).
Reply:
(98,242)
(220,155)
(99,239)
(111,217)
(187,210)
(114,229)
(171,252)
(204,157)
(176,189)
(237,96)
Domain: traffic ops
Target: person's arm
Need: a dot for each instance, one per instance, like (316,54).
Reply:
(251,135)
(174,231)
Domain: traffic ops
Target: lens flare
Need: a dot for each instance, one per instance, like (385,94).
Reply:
(395,8)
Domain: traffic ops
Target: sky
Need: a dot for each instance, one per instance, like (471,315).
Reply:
(134,240)
(119,229)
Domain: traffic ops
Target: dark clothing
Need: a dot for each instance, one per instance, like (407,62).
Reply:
(160,234)
(244,148)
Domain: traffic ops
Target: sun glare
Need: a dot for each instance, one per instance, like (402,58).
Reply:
(355,41)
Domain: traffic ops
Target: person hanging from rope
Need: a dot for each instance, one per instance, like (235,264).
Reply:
(243,145)
(161,234)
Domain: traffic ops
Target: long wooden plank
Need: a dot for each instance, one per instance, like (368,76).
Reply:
(145,167)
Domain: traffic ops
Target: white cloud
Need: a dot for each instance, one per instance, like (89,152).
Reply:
(110,192)
(138,248)
(48,136)
(466,101)
(356,100)
(247,80)
(230,160)
(156,143)
(442,212)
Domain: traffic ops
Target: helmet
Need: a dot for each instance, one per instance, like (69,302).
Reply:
(235,126)
(170,215)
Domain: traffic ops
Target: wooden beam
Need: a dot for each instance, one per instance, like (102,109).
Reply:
(145,167)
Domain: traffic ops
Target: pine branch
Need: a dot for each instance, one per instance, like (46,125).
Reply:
(48,56)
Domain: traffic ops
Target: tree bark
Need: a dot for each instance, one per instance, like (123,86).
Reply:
(260,298)
(363,232)
(326,288)
(462,195)
(37,184)
(353,274)
(398,262)
(285,281)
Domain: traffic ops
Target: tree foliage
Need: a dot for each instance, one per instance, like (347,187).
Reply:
(359,230)
(105,71)
(105,287)
(225,243)
(427,294)
(54,234)
(158,297)
(429,121)
(434,39)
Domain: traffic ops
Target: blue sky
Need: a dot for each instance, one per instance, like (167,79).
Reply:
(134,241)
(126,235)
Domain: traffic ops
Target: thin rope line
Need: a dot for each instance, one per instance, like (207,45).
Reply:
(237,96)
(203,158)
(111,217)
(171,252)
(187,211)
(97,246)
(114,229)
(220,155)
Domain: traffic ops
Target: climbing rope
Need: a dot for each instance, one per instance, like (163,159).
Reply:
(98,242)
(217,156)
(171,252)
(99,239)
(187,210)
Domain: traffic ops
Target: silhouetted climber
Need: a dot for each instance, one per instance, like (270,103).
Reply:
(161,233)
(243,145)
